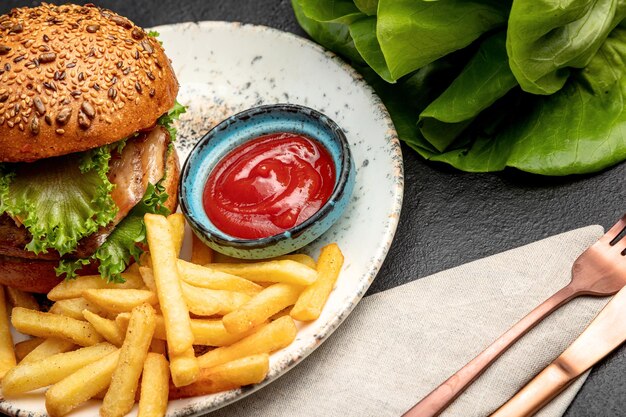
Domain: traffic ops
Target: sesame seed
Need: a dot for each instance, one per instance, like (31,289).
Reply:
(47,57)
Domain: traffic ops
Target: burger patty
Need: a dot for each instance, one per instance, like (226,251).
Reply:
(142,161)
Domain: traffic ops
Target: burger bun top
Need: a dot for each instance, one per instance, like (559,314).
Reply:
(73,78)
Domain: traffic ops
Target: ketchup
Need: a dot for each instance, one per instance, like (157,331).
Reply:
(268,185)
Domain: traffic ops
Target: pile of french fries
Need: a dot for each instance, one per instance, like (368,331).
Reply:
(137,341)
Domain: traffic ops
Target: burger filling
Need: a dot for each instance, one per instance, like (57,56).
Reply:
(87,207)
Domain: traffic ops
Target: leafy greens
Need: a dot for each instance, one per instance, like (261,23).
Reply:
(60,200)
(115,253)
(486,84)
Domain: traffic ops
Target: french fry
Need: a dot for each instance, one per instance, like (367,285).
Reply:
(261,307)
(158,345)
(75,287)
(7,354)
(78,387)
(167,278)
(205,302)
(177,228)
(298,257)
(73,307)
(287,271)
(120,397)
(19,298)
(133,269)
(281,313)
(24,348)
(201,254)
(204,277)
(155,382)
(108,329)
(234,374)
(30,376)
(207,332)
(49,347)
(184,367)
(310,304)
(119,301)
(269,338)
(148,278)
(100,395)
(40,324)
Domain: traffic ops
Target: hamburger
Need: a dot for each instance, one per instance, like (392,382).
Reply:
(87,99)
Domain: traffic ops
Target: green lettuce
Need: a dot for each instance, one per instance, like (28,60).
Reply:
(334,36)
(580,128)
(545,39)
(168,119)
(485,79)
(483,85)
(414,33)
(122,244)
(59,200)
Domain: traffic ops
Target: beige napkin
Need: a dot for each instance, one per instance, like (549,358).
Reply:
(400,344)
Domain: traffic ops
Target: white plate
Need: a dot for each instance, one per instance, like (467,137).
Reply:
(224,68)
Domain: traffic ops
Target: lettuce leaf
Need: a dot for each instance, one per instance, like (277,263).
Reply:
(334,36)
(122,244)
(59,200)
(547,38)
(580,128)
(414,33)
(485,79)
(484,85)
(168,119)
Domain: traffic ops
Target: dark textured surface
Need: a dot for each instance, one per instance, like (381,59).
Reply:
(450,217)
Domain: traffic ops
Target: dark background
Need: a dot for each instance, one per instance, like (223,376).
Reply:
(449,217)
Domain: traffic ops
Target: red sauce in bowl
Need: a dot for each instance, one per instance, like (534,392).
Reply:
(268,185)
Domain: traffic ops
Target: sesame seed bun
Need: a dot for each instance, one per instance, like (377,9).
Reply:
(73,78)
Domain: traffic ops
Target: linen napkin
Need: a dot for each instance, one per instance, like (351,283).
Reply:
(398,345)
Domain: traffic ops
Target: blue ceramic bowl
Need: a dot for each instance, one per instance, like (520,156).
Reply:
(248,125)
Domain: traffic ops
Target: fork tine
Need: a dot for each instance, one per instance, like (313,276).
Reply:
(614,231)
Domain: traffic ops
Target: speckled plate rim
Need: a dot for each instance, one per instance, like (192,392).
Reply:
(199,405)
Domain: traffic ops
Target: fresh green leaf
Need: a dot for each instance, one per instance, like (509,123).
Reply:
(331,11)
(546,38)
(168,119)
(582,128)
(368,7)
(59,200)
(363,32)
(116,252)
(480,120)
(579,129)
(414,33)
(334,36)
(485,79)
(406,99)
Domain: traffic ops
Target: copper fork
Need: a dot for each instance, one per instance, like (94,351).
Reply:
(599,271)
